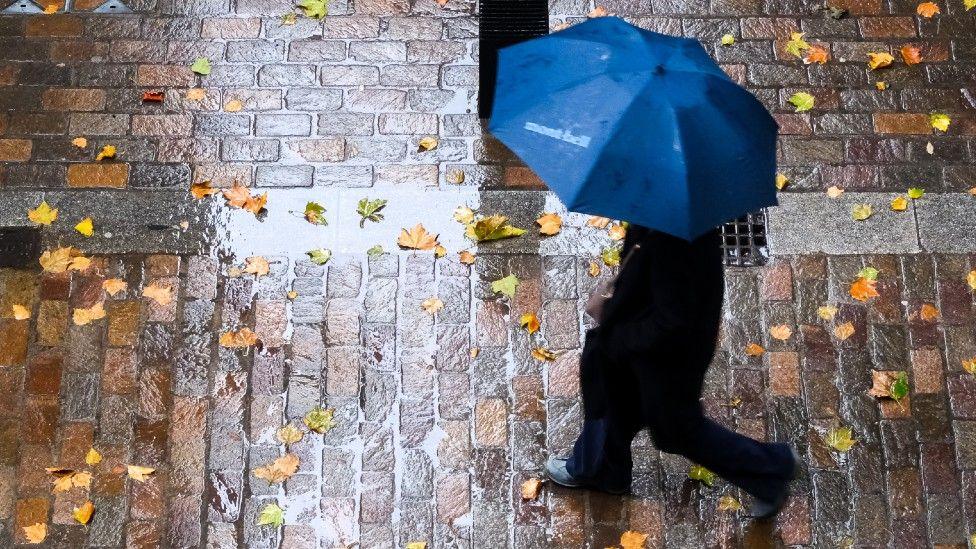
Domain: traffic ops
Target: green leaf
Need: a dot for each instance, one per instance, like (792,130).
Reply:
(915,193)
(728,40)
(505,286)
(201,66)
(796,45)
(271,515)
(840,439)
(369,210)
(697,472)
(375,250)
(860,212)
(899,387)
(315,214)
(803,101)
(316,9)
(869,273)
(492,228)
(611,256)
(319,419)
(319,256)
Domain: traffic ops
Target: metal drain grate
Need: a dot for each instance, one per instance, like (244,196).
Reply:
(503,23)
(19,246)
(37,6)
(744,240)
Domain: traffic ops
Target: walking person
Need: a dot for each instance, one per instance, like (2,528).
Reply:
(644,365)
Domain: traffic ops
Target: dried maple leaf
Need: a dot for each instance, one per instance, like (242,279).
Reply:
(162,295)
(598,222)
(878,60)
(466,257)
(493,227)
(863,289)
(153,96)
(844,331)
(139,473)
(93,458)
(928,312)
(240,339)
(549,224)
(530,322)
(632,540)
(781,332)
(543,355)
(20,312)
(202,189)
(83,514)
(754,349)
(417,238)
(279,470)
(817,54)
(35,533)
(911,54)
(257,265)
(82,317)
(238,196)
(432,305)
(43,214)
(618,231)
(440,251)
(114,285)
(886,384)
(927,9)
(530,489)
(289,434)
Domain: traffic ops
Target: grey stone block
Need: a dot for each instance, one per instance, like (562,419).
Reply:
(946,222)
(283,176)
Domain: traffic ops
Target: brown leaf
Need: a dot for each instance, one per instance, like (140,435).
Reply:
(549,224)
(279,470)
(417,238)
(881,381)
(754,349)
(928,312)
(844,331)
(466,257)
(530,489)
(632,540)
(113,286)
(781,332)
(35,533)
(911,54)
(202,189)
(240,339)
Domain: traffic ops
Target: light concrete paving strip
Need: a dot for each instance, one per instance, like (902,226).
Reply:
(947,223)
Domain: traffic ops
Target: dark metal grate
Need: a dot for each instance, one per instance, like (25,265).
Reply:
(503,23)
(19,246)
(744,240)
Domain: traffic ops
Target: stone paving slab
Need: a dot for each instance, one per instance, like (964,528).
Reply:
(947,223)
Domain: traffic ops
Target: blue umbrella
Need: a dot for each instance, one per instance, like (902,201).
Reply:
(635,125)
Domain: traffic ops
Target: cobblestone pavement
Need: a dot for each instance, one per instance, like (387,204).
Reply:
(431,443)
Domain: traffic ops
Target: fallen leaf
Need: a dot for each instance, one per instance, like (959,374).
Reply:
(927,9)
(83,514)
(442,3)
(878,60)
(817,54)
(727,40)
(201,66)
(860,212)
(930,148)
(234,105)
(928,312)
(594,269)
(153,96)
(202,189)
(417,238)
(881,85)
(899,203)
(969,365)
(440,251)
(505,286)
(289,434)
(79,142)
(598,222)
(375,250)
(864,289)
(611,256)
(66,479)
(114,285)
(238,196)
(108,151)
(319,420)
(632,540)
(754,349)
(52,8)
(543,355)
(530,489)
(319,256)
(887,384)
(369,210)
(971,279)
(697,472)
(271,515)
(279,470)
(85,227)
(844,331)
(970,4)
(796,45)
(728,503)
(81,317)
(940,121)
(494,227)
(289,19)
(781,181)
(43,214)
(417,544)
(316,9)
(241,339)
(291,295)
(139,473)
(840,439)
(466,257)
(20,312)
(826,312)
(196,94)
(162,295)
(473,352)
(257,265)
(432,305)
(803,101)
(781,332)
(93,458)
(834,191)
(35,533)
(618,231)
(427,144)
(530,322)
(916,192)
(549,224)
(454,177)
(911,54)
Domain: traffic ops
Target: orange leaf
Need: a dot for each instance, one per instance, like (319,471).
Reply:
(279,470)
(928,9)
(549,224)
(617,232)
(466,257)
(35,533)
(781,332)
(202,189)
(163,295)
(153,96)
(82,317)
(817,54)
(598,222)
(928,312)
(114,286)
(911,54)
(530,489)
(417,238)
(754,349)
(83,514)
(844,331)
(863,289)
(138,472)
(632,540)
(530,322)
(238,340)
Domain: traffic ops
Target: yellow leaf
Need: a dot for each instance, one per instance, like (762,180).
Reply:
(85,227)
(494,227)
(114,286)
(79,263)
(202,189)
(834,191)
(79,142)
(292,294)
(617,231)
(971,279)
(473,352)
(598,222)
(427,144)
(419,544)
(927,9)
(840,439)
(781,181)
(140,473)
(108,151)
(43,214)
(781,332)
(549,224)
(20,312)
(727,39)
(432,305)
(844,331)
(240,339)
(863,289)
(196,94)
(163,295)
(796,44)
(530,489)
(728,503)
(440,251)
(940,121)
(463,214)
(289,434)
(279,470)
(970,4)
(35,533)
(52,8)
(928,312)
(594,269)
(234,105)
(861,212)
(543,355)
(257,265)
(899,204)
(82,317)
(881,85)
(826,312)
(466,257)
(632,540)
(93,458)
(754,349)
(878,60)
(455,177)
(530,322)
(969,365)
(417,238)
(83,514)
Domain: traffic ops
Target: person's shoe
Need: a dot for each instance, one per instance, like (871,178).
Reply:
(764,509)
(556,470)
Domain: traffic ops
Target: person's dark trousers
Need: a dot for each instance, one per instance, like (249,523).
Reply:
(643,392)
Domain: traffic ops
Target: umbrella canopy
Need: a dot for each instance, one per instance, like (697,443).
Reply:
(635,125)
